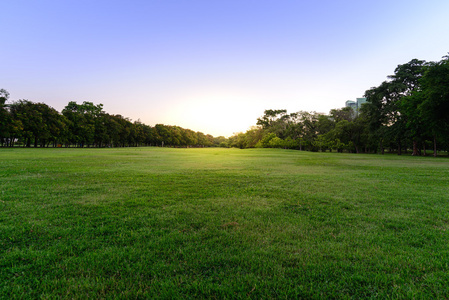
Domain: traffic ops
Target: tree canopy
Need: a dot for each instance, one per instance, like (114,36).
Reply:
(409,110)
(86,125)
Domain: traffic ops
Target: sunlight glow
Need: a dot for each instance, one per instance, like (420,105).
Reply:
(216,115)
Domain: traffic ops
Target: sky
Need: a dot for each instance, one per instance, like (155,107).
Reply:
(211,65)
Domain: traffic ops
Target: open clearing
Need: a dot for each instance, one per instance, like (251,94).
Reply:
(223,223)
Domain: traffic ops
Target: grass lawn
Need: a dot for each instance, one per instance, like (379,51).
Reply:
(222,223)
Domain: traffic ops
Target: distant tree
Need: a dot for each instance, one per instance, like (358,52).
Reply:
(55,126)
(435,100)
(204,140)
(410,106)
(5,119)
(189,137)
(270,116)
(294,130)
(81,121)
(265,142)
(384,103)
(345,113)
(253,136)
(30,116)
(310,132)
(4,96)
(176,136)
(407,78)
(163,135)
(139,129)
(221,141)
(123,128)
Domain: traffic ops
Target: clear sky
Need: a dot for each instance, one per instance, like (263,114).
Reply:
(211,65)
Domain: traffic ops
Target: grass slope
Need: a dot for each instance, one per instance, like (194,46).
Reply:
(222,223)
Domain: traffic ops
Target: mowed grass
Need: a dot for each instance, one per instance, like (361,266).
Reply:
(222,223)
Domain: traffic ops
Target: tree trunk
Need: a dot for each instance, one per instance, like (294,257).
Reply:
(434,146)
(424,148)
(415,148)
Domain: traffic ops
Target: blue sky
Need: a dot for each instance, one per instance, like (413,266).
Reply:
(211,66)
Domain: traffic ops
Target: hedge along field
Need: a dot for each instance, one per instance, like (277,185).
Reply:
(223,223)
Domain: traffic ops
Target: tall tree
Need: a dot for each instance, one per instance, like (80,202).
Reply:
(270,117)
(82,118)
(4,116)
(435,105)
(383,111)
(30,115)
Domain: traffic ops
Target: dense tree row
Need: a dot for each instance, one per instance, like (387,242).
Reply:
(409,111)
(85,125)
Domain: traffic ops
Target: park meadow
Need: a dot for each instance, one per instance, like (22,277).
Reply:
(166,223)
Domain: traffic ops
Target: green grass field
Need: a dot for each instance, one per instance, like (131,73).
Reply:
(222,223)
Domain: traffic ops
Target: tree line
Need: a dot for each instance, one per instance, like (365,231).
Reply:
(407,112)
(32,124)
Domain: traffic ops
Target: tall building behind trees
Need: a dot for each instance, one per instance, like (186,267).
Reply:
(356,105)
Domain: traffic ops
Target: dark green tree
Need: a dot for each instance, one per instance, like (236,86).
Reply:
(270,117)
(30,116)
(81,121)
(435,100)
(383,112)
(5,118)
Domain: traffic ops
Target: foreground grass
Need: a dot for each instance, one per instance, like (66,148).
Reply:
(221,223)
